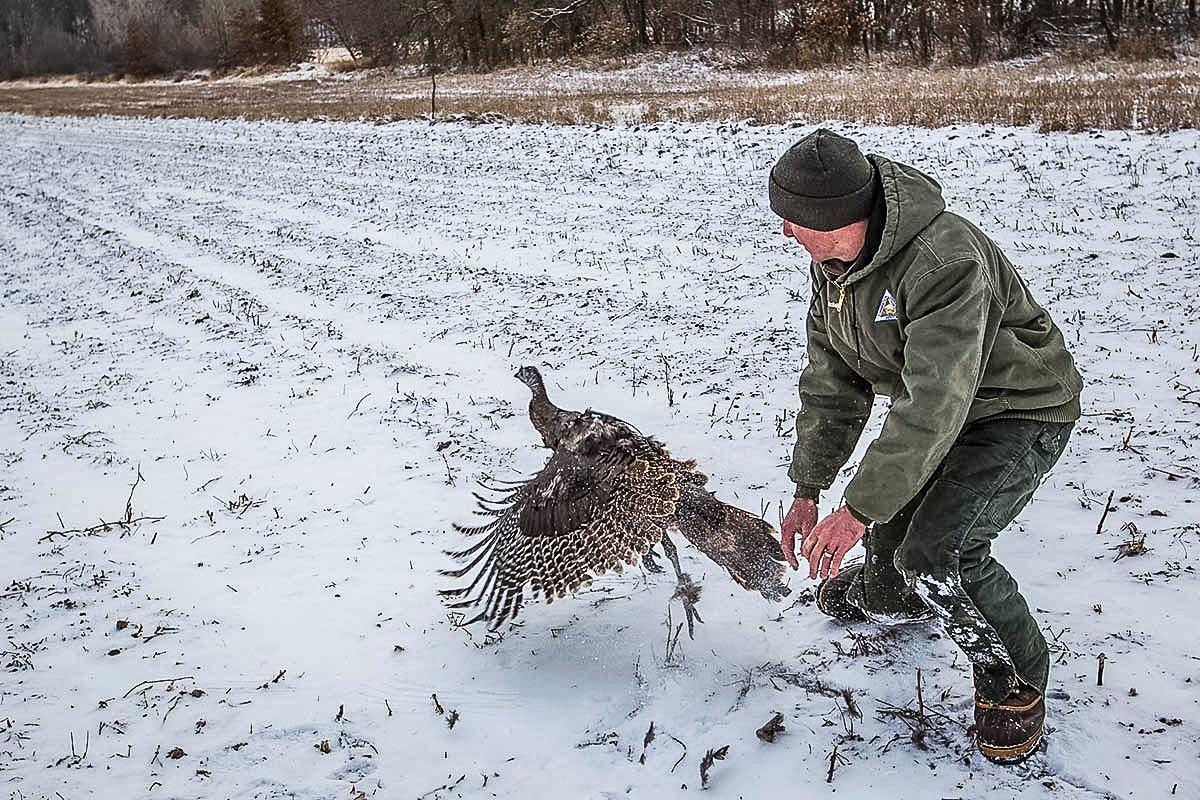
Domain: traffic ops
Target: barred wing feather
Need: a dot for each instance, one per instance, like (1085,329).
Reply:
(588,511)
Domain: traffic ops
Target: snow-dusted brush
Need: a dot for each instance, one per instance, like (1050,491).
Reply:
(607,496)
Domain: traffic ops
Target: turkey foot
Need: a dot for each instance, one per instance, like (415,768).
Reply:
(650,562)
(687,591)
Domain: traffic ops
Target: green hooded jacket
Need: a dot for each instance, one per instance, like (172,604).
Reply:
(939,321)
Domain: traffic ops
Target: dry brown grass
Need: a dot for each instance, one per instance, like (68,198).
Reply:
(1154,96)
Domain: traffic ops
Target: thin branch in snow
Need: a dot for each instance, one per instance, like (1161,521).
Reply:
(124,524)
(357,406)
(667,380)
(836,760)
(1104,516)
(682,755)
(147,684)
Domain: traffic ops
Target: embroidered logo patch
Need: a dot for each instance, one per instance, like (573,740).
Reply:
(887,307)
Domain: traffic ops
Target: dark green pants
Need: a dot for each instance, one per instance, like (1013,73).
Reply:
(938,549)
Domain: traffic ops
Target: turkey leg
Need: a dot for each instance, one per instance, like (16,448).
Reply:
(687,590)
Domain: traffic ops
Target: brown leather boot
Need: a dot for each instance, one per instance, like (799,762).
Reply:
(831,595)
(1009,731)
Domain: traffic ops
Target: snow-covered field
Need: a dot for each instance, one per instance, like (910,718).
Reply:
(303,336)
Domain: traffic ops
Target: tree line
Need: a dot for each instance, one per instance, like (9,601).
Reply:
(142,37)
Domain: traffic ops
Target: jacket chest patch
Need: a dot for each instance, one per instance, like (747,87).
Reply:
(887,307)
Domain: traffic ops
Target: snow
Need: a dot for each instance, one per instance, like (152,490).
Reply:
(304,71)
(280,324)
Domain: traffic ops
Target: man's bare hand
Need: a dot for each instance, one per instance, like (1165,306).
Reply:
(800,519)
(829,542)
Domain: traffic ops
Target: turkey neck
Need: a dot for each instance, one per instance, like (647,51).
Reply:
(543,414)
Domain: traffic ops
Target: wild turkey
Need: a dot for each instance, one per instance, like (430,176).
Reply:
(607,495)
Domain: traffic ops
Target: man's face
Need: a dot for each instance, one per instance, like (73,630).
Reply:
(841,243)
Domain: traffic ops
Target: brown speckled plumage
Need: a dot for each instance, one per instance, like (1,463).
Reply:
(606,496)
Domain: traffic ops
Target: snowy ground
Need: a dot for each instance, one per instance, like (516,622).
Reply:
(304,335)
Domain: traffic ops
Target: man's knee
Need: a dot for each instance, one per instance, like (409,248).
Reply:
(925,568)
(933,571)
(915,558)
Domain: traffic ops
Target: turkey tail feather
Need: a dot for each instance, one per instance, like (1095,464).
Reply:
(740,542)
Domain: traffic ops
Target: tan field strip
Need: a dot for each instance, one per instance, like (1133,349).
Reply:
(1152,96)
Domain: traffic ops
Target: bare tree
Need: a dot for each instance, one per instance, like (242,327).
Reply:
(155,35)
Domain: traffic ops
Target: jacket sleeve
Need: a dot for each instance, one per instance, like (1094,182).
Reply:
(835,403)
(952,320)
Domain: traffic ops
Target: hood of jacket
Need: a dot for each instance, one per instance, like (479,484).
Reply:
(912,200)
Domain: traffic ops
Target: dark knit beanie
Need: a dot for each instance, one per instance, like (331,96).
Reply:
(823,182)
